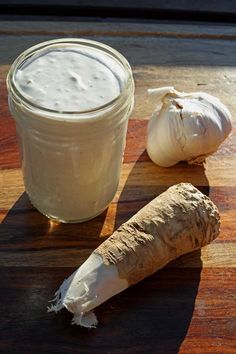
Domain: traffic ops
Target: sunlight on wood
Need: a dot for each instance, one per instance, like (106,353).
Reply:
(109,222)
(53,225)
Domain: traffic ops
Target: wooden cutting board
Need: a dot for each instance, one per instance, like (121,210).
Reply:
(190,305)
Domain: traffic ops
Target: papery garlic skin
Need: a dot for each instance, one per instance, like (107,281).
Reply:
(188,127)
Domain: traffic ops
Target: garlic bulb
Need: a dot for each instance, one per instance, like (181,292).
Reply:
(187,127)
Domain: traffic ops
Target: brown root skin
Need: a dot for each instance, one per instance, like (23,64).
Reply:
(178,221)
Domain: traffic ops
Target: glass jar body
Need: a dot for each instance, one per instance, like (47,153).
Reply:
(71,163)
(71,176)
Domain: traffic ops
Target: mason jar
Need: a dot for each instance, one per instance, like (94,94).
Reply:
(71,161)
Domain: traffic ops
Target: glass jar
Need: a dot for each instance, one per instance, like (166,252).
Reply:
(71,161)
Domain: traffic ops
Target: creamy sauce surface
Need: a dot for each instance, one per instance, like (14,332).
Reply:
(72,78)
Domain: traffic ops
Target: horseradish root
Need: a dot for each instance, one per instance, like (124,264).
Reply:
(178,221)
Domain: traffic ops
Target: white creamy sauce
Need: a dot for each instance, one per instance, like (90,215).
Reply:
(70,79)
(71,165)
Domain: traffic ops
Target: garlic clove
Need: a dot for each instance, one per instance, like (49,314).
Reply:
(188,127)
(160,152)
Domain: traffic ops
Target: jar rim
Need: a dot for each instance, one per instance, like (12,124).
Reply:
(61,115)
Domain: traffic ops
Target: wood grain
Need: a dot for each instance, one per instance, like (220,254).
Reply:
(124,29)
(176,311)
(189,306)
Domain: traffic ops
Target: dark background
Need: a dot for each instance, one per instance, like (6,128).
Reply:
(187,10)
